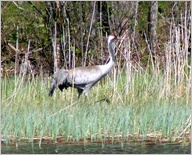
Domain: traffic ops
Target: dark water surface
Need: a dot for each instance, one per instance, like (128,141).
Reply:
(126,148)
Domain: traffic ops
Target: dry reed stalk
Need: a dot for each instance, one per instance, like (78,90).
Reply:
(184,127)
(127,52)
(25,65)
(114,82)
(101,33)
(69,38)
(16,58)
(86,51)
(64,45)
(63,109)
(150,52)
(73,65)
(54,44)
(176,57)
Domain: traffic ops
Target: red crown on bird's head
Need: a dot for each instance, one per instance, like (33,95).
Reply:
(111,37)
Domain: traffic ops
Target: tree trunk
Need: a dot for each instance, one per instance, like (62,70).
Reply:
(56,18)
(153,28)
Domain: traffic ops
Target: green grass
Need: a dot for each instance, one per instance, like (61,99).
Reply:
(145,107)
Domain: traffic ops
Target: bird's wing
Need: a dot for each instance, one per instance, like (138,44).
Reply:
(85,75)
(59,80)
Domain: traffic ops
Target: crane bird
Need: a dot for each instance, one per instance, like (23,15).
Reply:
(83,78)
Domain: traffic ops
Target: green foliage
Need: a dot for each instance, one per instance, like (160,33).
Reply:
(143,16)
(35,22)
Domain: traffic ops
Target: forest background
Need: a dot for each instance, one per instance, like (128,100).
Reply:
(37,37)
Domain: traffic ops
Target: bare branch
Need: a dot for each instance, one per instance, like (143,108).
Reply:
(18,6)
(89,33)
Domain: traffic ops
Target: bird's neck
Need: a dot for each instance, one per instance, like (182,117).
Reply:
(106,68)
(111,53)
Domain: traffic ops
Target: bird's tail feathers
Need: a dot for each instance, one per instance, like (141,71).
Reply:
(59,80)
(53,86)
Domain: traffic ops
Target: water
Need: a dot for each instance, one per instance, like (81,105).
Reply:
(127,148)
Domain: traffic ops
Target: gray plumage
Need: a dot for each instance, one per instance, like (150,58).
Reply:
(83,78)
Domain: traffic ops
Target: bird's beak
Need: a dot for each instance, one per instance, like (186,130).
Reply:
(118,38)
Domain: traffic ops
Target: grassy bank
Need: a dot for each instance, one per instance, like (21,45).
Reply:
(145,107)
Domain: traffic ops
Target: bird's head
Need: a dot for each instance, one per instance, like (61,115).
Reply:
(111,38)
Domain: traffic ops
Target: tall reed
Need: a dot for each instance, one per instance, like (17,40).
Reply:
(28,112)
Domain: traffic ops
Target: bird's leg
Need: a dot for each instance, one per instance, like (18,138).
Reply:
(79,93)
(86,94)
(85,98)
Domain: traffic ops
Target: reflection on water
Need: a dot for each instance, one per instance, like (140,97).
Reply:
(127,148)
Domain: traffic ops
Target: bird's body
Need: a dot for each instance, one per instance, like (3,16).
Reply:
(83,78)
